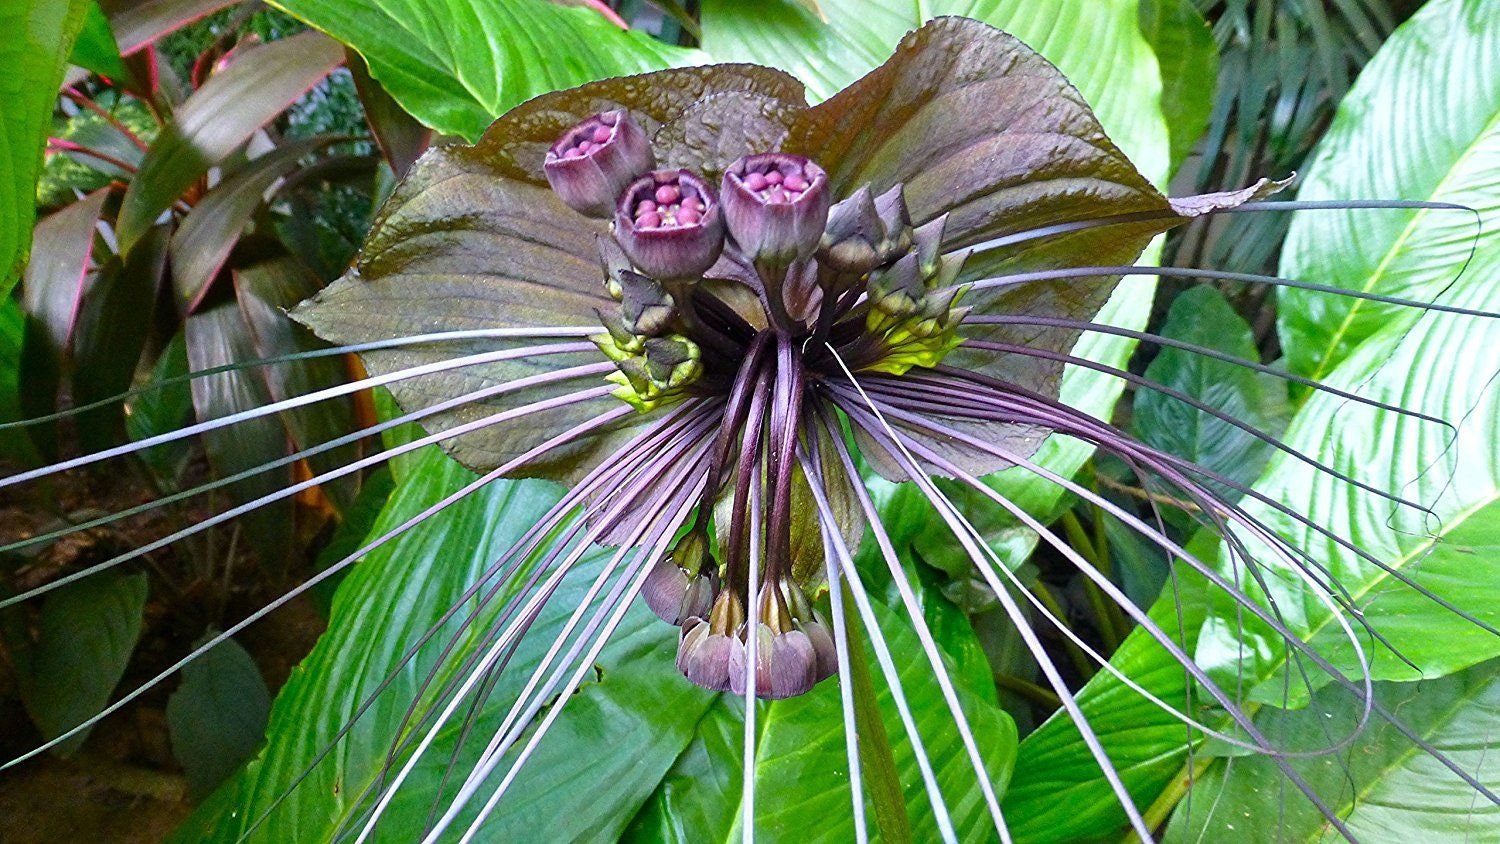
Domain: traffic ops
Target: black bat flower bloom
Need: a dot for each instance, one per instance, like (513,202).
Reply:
(720,317)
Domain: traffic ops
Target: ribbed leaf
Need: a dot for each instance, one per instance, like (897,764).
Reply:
(1384,787)
(1420,362)
(458,65)
(1422,122)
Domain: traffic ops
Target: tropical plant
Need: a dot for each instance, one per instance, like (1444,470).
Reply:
(834,388)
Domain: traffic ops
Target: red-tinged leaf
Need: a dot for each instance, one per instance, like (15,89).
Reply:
(113,325)
(144,22)
(95,48)
(218,118)
(218,336)
(402,138)
(266,290)
(57,276)
(209,232)
(33,51)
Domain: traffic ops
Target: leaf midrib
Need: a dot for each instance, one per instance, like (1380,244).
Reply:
(1346,810)
(1327,357)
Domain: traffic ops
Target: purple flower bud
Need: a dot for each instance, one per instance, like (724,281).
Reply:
(775,206)
(703,656)
(592,162)
(669,224)
(664,590)
(822,644)
(865,231)
(785,664)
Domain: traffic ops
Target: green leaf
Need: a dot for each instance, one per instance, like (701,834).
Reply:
(1430,100)
(95,48)
(39,35)
(1058,793)
(456,66)
(1201,316)
(84,639)
(610,747)
(220,116)
(1383,787)
(802,786)
(1421,362)
(217,717)
(1189,59)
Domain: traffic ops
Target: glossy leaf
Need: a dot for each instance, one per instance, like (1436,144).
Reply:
(402,139)
(95,48)
(457,85)
(1429,100)
(108,346)
(85,635)
(218,336)
(638,707)
(1202,317)
(34,52)
(1384,787)
(209,232)
(1419,362)
(220,116)
(1189,60)
(217,717)
(1058,793)
(59,274)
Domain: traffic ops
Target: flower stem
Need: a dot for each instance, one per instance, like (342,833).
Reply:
(875,756)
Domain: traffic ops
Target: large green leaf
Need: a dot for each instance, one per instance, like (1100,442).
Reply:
(634,720)
(1425,368)
(801,776)
(85,636)
(1202,317)
(457,65)
(1384,787)
(1189,61)
(217,717)
(1422,122)
(39,36)
(1420,362)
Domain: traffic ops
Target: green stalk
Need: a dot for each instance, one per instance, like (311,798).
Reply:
(875,759)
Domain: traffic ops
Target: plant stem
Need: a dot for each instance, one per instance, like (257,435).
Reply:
(1039,695)
(875,757)
(1075,654)
(1161,808)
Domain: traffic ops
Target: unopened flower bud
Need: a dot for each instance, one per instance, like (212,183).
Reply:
(646,306)
(822,644)
(775,206)
(672,361)
(898,290)
(785,664)
(669,224)
(592,162)
(865,231)
(703,656)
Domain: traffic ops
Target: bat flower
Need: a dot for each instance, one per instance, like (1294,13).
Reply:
(720,316)
(723,276)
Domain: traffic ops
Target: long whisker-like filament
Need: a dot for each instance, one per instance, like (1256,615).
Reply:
(346,469)
(1105,273)
(1363,691)
(752,655)
(293,403)
(531,454)
(914,613)
(435,337)
(509,636)
(846,691)
(499,571)
(1205,351)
